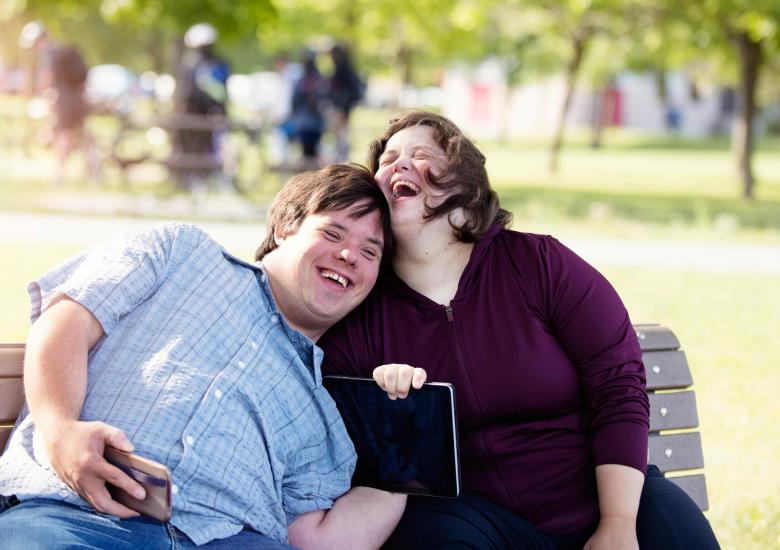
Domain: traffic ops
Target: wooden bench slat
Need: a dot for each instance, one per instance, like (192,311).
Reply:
(676,452)
(696,487)
(5,431)
(667,370)
(11,399)
(656,337)
(11,359)
(672,411)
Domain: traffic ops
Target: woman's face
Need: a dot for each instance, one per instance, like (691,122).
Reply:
(408,155)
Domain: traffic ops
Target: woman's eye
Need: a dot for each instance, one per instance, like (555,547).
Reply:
(370,253)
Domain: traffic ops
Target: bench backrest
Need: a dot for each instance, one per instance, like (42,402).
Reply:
(672,406)
(11,388)
(675,444)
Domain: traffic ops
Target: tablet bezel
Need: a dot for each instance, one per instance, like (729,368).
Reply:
(449,391)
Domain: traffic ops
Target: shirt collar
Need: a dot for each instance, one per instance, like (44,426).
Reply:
(305,346)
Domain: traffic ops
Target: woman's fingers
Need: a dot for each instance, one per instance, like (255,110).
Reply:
(398,379)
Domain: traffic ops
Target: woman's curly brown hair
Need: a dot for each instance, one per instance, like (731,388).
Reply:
(465,176)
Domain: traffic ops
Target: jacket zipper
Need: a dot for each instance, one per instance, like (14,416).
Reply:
(448,311)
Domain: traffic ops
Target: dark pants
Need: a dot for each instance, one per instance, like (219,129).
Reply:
(667,520)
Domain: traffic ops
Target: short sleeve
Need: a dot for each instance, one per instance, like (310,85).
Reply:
(319,474)
(112,278)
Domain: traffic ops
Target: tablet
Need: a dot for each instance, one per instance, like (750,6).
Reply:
(404,445)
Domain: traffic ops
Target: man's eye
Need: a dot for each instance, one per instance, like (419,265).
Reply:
(332,235)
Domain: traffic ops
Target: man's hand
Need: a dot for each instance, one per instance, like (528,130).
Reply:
(75,451)
(397,379)
(617,534)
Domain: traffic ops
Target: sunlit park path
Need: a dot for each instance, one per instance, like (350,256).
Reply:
(241,238)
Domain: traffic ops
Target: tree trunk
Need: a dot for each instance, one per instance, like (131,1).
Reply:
(750,55)
(404,61)
(578,49)
(156,49)
(597,119)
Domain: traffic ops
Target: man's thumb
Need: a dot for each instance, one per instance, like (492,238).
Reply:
(117,439)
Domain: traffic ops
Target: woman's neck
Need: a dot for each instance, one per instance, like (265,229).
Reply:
(431,261)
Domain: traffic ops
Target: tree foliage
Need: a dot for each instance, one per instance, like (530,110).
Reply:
(591,40)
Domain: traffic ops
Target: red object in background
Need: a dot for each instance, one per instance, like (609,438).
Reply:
(480,103)
(612,107)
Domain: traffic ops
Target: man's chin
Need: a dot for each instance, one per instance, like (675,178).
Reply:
(334,313)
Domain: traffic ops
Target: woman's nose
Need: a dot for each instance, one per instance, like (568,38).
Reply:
(347,255)
(401,163)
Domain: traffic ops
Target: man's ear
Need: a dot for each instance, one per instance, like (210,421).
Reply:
(279,237)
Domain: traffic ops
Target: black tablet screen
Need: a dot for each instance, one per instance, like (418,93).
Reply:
(403,445)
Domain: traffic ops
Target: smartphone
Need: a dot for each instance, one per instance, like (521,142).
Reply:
(155,478)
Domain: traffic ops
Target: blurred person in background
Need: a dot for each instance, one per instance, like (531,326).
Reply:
(60,75)
(307,121)
(346,90)
(201,90)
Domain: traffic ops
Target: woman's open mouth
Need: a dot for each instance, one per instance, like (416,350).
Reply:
(404,189)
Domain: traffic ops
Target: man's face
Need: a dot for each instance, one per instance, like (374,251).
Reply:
(326,268)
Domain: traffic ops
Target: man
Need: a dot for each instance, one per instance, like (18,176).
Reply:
(201,92)
(169,346)
(346,90)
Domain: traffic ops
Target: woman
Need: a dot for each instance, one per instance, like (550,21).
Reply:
(552,410)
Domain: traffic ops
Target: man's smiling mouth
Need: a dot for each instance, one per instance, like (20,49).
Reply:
(335,277)
(404,189)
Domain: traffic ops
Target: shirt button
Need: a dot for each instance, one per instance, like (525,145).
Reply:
(218,394)
(262,277)
(190,440)
(241,365)
(174,489)
(254,345)
(275,319)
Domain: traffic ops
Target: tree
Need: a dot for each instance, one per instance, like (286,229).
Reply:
(563,31)
(738,37)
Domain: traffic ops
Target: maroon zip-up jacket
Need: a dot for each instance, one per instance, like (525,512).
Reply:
(547,371)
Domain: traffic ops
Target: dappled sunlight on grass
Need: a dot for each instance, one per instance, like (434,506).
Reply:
(727,325)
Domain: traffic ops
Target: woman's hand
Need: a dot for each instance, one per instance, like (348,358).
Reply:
(398,379)
(613,535)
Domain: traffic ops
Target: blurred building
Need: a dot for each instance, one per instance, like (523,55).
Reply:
(480,100)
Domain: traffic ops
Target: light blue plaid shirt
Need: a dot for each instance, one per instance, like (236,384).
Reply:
(201,372)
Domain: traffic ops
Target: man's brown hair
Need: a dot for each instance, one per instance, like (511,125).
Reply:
(335,187)
(465,176)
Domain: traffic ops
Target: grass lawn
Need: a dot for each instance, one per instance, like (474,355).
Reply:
(633,188)
(727,325)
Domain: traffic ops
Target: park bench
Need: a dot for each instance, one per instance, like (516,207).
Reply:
(241,161)
(674,444)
